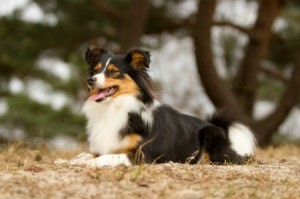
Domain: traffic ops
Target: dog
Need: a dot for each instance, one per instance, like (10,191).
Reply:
(125,118)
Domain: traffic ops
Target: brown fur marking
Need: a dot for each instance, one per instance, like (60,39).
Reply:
(137,61)
(94,91)
(132,141)
(125,86)
(98,67)
(113,69)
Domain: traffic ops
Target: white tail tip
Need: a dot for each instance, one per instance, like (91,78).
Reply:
(242,139)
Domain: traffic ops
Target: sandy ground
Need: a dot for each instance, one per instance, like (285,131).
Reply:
(27,173)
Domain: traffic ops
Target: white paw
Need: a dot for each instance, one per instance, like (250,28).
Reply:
(108,160)
(81,158)
(61,161)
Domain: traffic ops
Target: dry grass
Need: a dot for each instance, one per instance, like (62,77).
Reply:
(27,173)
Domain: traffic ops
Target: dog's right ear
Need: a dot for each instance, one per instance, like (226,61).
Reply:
(138,59)
(93,56)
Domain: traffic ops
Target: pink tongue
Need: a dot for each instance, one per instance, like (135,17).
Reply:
(97,96)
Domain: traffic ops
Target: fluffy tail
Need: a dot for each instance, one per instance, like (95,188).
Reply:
(226,140)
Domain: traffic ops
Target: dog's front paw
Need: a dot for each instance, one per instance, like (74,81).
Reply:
(81,158)
(108,160)
(88,159)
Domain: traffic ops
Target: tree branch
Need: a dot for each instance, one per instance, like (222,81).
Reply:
(108,10)
(213,85)
(133,24)
(170,24)
(273,72)
(232,25)
(289,99)
(259,39)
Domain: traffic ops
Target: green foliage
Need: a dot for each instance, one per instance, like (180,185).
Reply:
(269,89)
(40,120)
(24,43)
(283,48)
(229,44)
(76,24)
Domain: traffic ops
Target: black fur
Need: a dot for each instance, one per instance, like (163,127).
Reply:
(216,144)
(92,57)
(144,63)
(145,84)
(172,136)
(178,137)
(136,124)
(215,138)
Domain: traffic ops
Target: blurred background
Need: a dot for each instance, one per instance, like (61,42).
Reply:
(240,54)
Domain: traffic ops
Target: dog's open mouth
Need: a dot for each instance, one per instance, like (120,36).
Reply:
(104,93)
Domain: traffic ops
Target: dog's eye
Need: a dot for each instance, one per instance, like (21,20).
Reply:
(114,71)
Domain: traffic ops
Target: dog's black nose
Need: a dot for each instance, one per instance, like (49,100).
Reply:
(91,80)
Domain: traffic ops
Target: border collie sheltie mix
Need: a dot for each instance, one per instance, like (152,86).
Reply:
(125,118)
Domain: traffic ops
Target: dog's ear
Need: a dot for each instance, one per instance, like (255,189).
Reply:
(138,59)
(93,56)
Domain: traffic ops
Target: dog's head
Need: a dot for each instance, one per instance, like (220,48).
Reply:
(110,75)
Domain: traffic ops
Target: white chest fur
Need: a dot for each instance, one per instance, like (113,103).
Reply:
(106,119)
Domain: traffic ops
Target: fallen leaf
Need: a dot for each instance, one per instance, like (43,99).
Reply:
(34,168)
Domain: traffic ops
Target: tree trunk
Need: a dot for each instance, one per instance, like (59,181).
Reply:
(265,127)
(259,38)
(213,85)
(245,84)
(133,24)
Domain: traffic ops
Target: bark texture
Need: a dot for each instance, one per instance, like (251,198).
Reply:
(133,23)
(241,96)
(259,39)
(215,88)
(266,127)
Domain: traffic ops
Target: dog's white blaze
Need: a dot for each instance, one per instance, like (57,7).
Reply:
(100,79)
(107,119)
(106,64)
(242,139)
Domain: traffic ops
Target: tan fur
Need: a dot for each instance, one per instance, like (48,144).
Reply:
(125,86)
(112,68)
(99,66)
(137,61)
(94,91)
(130,142)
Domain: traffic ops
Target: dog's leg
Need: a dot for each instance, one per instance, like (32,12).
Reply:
(81,158)
(108,160)
(92,160)
(216,145)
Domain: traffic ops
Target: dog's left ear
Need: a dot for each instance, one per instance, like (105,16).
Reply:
(138,59)
(93,55)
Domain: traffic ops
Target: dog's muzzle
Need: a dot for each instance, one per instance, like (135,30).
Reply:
(91,81)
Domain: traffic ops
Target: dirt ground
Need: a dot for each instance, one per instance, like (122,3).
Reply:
(28,173)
